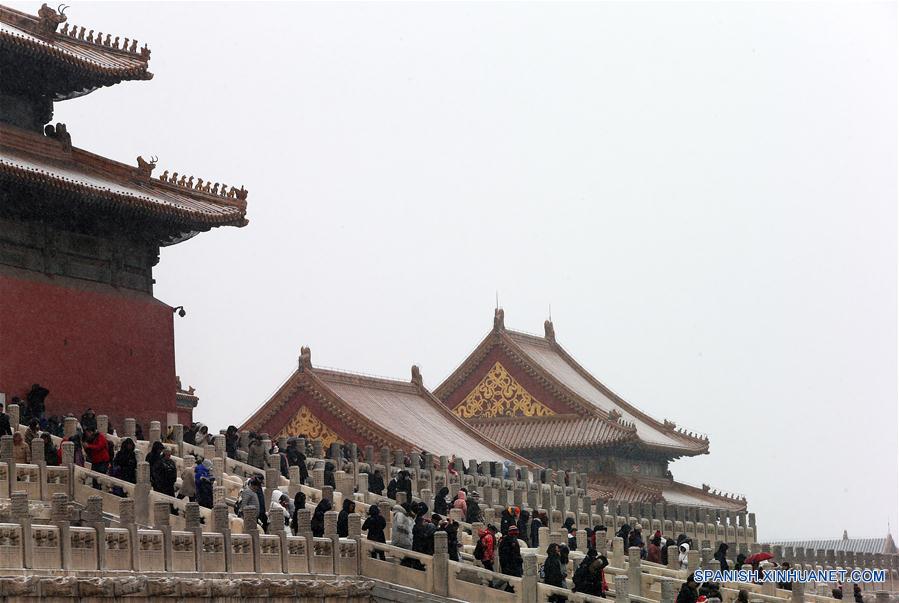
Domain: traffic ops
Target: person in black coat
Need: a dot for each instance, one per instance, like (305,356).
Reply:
(523,523)
(329,475)
(440,505)
(5,427)
(125,462)
(37,401)
(689,591)
(164,473)
(510,553)
(318,517)
(452,537)
(376,483)
(553,570)
(299,502)
(343,518)
(721,556)
(374,526)
(536,524)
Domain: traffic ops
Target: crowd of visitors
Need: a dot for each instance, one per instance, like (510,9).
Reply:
(413,523)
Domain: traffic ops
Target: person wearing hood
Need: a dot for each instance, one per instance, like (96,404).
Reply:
(682,558)
(451,527)
(204,481)
(423,535)
(329,475)
(689,591)
(523,523)
(164,473)
(624,533)
(654,548)
(474,513)
(232,440)
(343,518)
(50,453)
(571,530)
(281,504)
(510,560)
(374,526)
(299,502)
(189,478)
(461,502)
(318,517)
(534,531)
(508,518)
(376,483)
(553,570)
(256,454)
(401,533)
(487,536)
(296,457)
(721,556)
(124,463)
(441,506)
(740,562)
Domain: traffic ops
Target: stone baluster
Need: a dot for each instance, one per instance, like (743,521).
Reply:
(22,516)
(70,426)
(622,589)
(673,563)
(13,411)
(59,515)
(192,524)
(318,477)
(142,494)
(243,441)
(127,521)
(441,565)
(251,527)
(272,477)
(317,450)
(634,564)
(129,426)
(668,594)
(102,423)
(161,512)
(155,432)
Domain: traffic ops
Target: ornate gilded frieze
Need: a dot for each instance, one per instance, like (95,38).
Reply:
(500,395)
(306,423)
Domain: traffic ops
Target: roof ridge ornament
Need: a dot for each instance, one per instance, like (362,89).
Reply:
(305,359)
(207,186)
(549,331)
(499,320)
(146,167)
(416,376)
(49,19)
(76,32)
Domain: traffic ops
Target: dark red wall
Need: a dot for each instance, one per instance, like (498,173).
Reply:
(89,344)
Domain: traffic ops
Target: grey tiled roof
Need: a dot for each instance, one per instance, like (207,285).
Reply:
(855,545)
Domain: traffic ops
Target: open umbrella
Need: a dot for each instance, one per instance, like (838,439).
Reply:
(758,558)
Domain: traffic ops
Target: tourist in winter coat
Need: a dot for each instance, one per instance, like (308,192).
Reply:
(329,475)
(189,479)
(423,535)
(343,518)
(164,474)
(524,524)
(374,526)
(534,531)
(441,506)
(452,537)
(79,452)
(318,517)
(508,518)
(488,540)
(682,557)
(689,591)
(50,452)
(281,504)
(721,556)
(461,502)
(401,534)
(654,550)
(34,429)
(510,560)
(204,481)
(376,483)
(21,452)
(256,454)
(474,513)
(553,570)
(571,530)
(96,447)
(299,502)
(89,420)
(232,440)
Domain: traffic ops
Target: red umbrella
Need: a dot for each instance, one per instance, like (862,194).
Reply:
(758,558)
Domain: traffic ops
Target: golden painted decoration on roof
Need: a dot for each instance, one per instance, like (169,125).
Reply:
(306,423)
(500,395)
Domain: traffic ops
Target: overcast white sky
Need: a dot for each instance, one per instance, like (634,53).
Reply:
(705,193)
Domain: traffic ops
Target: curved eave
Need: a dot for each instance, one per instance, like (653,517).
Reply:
(116,201)
(104,75)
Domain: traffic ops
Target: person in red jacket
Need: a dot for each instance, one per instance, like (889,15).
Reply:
(488,539)
(97,449)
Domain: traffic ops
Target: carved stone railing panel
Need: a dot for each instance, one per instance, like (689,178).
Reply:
(213,552)
(118,549)
(183,553)
(297,555)
(150,550)
(46,548)
(242,553)
(84,548)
